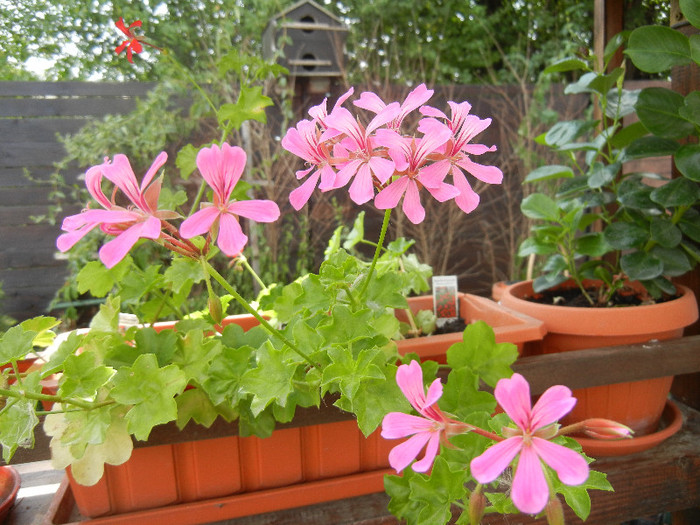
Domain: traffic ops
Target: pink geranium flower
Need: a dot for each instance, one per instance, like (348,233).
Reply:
(222,167)
(529,442)
(411,160)
(362,159)
(371,102)
(139,220)
(464,128)
(426,430)
(305,141)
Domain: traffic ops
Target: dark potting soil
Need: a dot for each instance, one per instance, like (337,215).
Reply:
(574,297)
(451,326)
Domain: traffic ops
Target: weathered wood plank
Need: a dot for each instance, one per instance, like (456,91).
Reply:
(28,154)
(25,195)
(74,88)
(38,129)
(20,215)
(87,106)
(615,364)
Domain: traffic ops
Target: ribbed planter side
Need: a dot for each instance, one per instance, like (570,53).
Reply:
(637,404)
(213,468)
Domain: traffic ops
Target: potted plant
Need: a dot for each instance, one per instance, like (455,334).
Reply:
(327,338)
(614,239)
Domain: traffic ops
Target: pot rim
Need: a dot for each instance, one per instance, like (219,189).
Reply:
(670,315)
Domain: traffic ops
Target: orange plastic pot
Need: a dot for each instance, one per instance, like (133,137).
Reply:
(637,404)
(243,475)
(508,325)
(294,467)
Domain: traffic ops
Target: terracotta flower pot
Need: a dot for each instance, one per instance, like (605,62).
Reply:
(637,404)
(508,325)
(246,475)
(9,486)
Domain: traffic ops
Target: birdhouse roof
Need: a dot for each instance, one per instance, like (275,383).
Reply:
(285,13)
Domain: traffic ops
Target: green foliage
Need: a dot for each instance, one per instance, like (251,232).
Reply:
(648,223)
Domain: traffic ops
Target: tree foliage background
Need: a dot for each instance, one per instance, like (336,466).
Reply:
(438,41)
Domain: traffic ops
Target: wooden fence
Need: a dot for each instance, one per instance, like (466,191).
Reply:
(32,114)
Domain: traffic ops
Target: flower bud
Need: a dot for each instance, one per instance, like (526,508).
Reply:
(477,504)
(215,308)
(554,512)
(600,428)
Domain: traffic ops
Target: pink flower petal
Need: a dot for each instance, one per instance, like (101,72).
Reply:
(443,192)
(120,173)
(116,249)
(199,222)
(362,189)
(231,238)
(390,196)
(383,169)
(488,174)
(399,425)
(302,194)
(489,465)
(328,177)
(345,173)
(569,465)
(514,396)
(93,182)
(431,450)
(258,210)
(411,204)
(410,380)
(432,175)
(402,455)
(430,111)
(157,164)
(530,491)
(370,101)
(468,199)
(221,167)
(552,405)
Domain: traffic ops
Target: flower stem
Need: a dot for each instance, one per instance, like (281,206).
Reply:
(56,399)
(377,251)
(252,311)
(244,262)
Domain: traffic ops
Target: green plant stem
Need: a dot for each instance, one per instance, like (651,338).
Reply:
(19,394)
(252,311)
(244,262)
(198,197)
(377,251)
(189,78)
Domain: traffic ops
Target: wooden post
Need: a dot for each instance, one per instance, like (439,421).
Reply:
(608,20)
(685,79)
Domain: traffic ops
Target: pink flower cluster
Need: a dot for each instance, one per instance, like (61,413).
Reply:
(221,167)
(529,442)
(386,165)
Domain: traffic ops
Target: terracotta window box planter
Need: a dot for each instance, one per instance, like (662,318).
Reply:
(297,465)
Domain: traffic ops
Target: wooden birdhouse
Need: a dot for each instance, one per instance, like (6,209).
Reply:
(306,39)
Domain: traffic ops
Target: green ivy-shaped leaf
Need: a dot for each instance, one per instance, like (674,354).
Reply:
(250,105)
(15,344)
(151,390)
(270,381)
(99,280)
(225,373)
(480,353)
(82,377)
(349,373)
